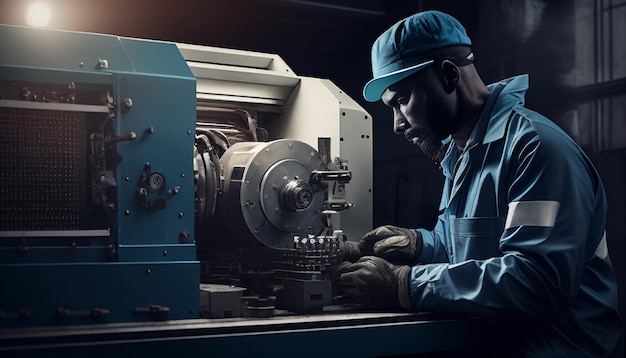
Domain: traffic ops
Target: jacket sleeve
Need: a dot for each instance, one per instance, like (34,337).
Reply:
(539,266)
(433,248)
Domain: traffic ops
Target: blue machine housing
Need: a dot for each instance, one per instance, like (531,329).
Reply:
(145,268)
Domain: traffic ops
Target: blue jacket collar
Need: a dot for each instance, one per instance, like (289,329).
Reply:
(494,117)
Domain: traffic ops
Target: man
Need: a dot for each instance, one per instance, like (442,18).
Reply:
(521,236)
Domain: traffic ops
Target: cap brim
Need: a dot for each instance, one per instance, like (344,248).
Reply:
(374,89)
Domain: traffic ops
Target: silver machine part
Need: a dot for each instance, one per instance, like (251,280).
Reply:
(269,231)
(267,191)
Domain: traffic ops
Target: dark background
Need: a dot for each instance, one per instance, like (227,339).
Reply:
(332,38)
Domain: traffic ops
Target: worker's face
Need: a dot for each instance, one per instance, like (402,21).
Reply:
(422,110)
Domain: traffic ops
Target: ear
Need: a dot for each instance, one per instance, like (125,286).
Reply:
(450,75)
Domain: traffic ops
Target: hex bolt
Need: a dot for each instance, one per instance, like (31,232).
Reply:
(102,64)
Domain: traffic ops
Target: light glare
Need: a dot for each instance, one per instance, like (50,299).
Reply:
(38,15)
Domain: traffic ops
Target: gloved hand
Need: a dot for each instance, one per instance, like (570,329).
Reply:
(349,251)
(395,244)
(376,283)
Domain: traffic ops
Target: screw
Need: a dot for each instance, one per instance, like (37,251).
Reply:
(128,103)
(184,237)
(102,64)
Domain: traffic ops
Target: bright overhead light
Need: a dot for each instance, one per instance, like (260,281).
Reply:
(38,14)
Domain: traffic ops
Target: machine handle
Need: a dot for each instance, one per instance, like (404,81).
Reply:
(342,176)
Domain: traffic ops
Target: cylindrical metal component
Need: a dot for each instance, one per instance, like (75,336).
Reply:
(297,195)
(264,194)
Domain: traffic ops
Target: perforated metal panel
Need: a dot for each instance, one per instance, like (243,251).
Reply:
(39,169)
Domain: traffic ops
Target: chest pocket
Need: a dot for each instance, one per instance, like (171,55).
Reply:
(475,238)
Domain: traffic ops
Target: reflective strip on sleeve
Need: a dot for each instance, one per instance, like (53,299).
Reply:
(602,250)
(532,213)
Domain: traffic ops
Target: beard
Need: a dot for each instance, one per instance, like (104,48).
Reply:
(427,142)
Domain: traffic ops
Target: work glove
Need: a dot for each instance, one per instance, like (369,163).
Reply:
(395,244)
(376,283)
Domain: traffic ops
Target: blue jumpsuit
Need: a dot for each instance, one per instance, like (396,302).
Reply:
(522,234)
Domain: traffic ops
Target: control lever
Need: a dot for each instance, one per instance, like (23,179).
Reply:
(342,176)
(128,137)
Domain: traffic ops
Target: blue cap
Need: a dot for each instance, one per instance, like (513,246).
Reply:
(400,51)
